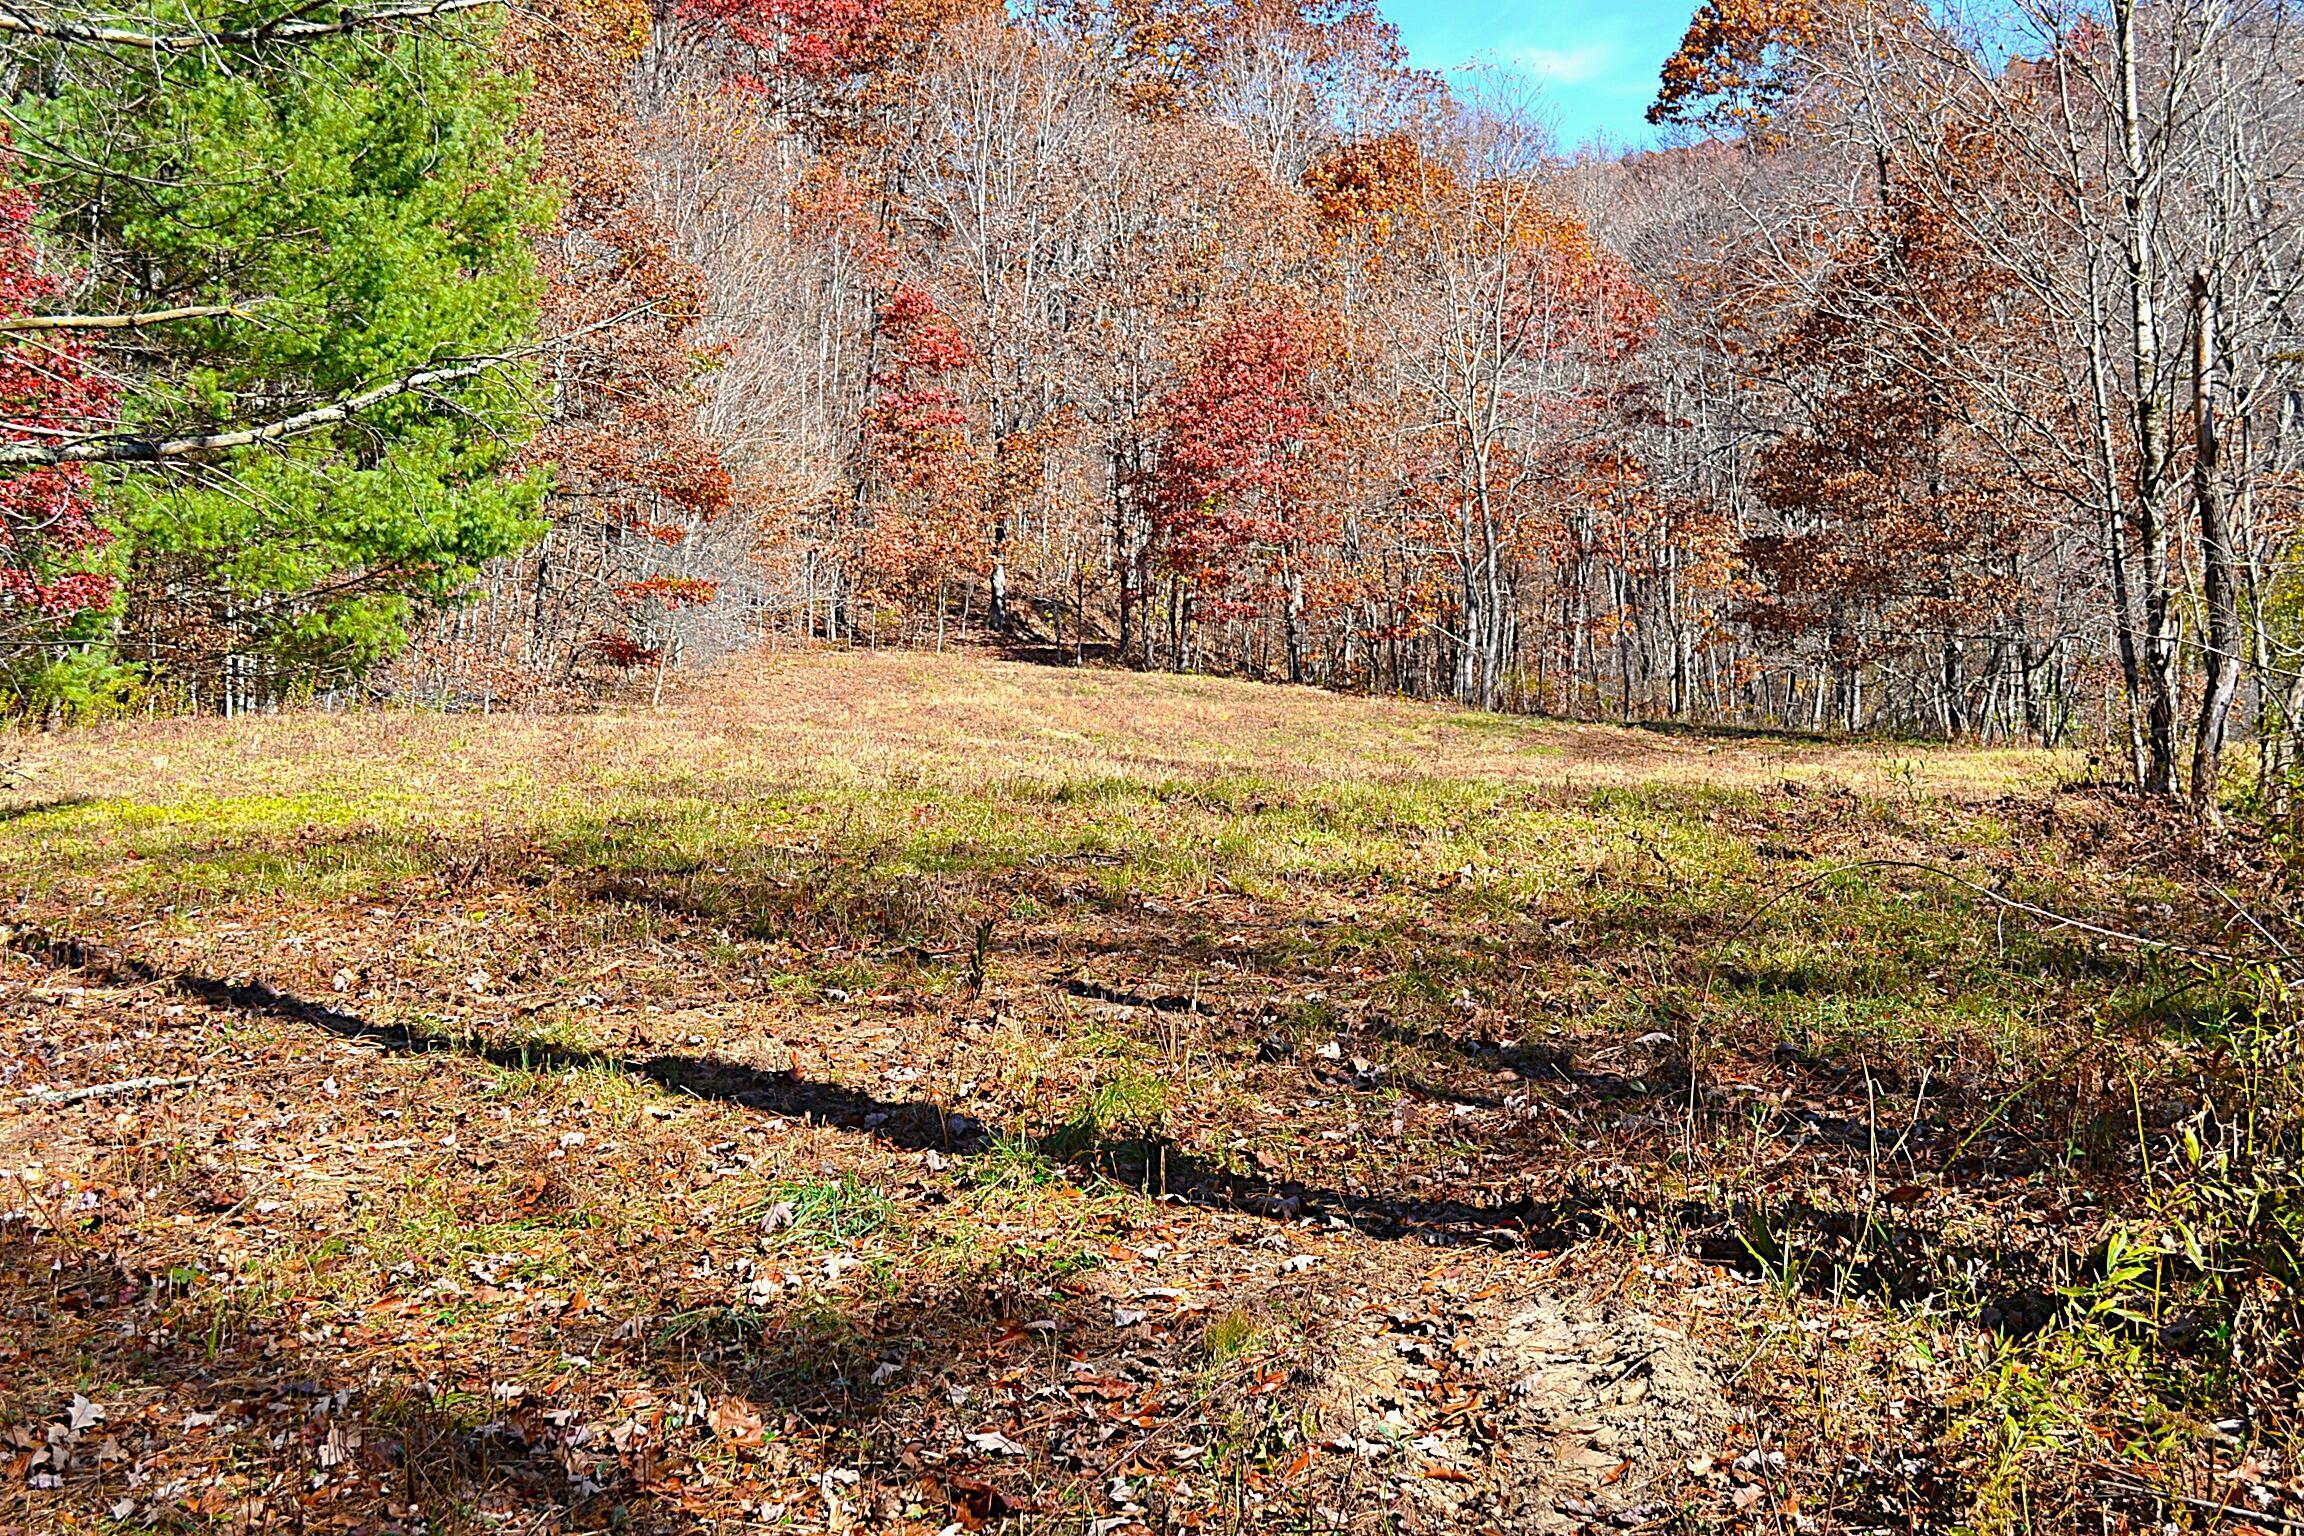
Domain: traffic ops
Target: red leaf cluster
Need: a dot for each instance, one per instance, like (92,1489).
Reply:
(812,40)
(1244,444)
(917,420)
(671,591)
(48,388)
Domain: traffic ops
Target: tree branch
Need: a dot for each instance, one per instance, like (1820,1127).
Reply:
(120,322)
(281,30)
(146,450)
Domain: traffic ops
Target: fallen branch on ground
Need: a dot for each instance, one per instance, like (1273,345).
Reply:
(2015,904)
(126,1085)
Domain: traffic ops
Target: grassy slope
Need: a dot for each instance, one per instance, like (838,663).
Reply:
(723,1113)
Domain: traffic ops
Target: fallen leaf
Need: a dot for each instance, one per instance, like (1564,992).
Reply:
(1107,1388)
(993,1443)
(978,1504)
(733,1419)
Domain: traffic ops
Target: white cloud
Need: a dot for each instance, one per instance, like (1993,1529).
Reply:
(1563,66)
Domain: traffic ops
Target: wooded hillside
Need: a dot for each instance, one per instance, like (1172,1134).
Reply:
(1939,380)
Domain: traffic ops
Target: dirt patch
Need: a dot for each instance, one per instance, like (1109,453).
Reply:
(1524,1411)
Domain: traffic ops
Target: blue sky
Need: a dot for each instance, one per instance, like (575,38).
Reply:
(1596,63)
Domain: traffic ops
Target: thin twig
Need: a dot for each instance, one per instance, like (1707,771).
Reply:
(2263,1519)
(2013,904)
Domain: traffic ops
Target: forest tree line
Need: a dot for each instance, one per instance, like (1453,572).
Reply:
(1939,377)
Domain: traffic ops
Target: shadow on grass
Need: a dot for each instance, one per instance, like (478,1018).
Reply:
(239,1419)
(913,1125)
(1796,1244)
(276,1411)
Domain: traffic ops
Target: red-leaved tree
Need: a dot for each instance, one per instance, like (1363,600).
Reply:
(1241,457)
(835,66)
(927,482)
(813,40)
(48,388)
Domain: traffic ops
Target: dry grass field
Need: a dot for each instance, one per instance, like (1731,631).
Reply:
(930,1094)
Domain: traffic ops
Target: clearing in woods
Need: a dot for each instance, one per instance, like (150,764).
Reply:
(897,1092)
